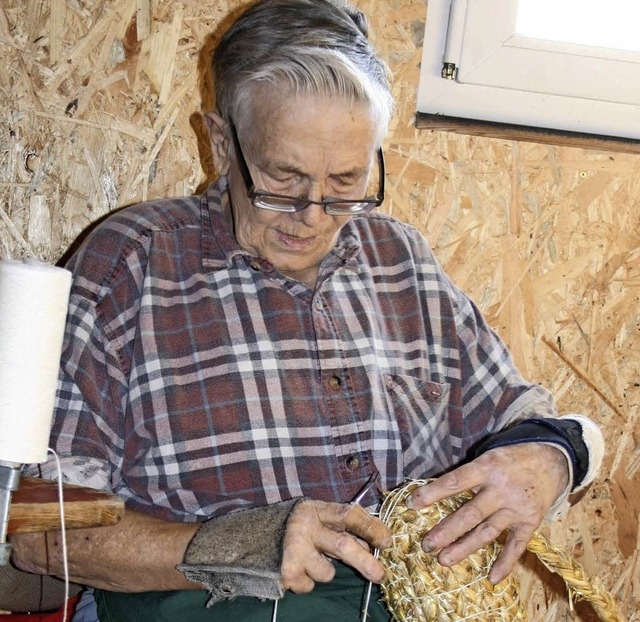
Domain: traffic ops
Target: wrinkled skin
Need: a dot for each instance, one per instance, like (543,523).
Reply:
(317,530)
(314,148)
(515,487)
(304,146)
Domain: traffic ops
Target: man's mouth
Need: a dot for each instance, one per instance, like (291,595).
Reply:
(295,242)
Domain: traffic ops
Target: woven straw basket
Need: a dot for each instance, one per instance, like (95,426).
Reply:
(419,589)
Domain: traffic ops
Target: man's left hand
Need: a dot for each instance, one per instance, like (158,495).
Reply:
(514,488)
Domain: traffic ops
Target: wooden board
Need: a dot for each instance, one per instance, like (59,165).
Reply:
(35,507)
(100,107)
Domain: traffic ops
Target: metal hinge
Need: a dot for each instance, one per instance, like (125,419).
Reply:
(449,71)
(453,39)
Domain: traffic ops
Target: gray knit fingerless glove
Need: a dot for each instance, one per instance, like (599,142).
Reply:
(240,554)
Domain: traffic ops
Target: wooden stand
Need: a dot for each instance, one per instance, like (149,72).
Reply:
(35,507)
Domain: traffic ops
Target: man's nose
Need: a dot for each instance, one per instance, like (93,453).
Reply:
(315,192)
(313,213)
(310,215)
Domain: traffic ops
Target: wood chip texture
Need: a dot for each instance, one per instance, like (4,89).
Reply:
(100,107)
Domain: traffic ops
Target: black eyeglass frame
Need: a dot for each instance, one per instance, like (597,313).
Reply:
(300,203)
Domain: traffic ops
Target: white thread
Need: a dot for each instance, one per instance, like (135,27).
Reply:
(33,307)
(65,561)
(367,599)
(365,606)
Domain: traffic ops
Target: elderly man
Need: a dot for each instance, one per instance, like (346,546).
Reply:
(238,365)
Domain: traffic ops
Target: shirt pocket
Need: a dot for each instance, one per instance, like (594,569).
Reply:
(421,410)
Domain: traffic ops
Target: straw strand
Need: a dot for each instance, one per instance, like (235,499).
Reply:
(579,585)
(419,589)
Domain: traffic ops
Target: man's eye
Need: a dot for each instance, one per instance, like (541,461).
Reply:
(345,183)
(349,181)
(284,179)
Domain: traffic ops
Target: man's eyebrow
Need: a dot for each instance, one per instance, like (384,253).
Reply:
(283,167)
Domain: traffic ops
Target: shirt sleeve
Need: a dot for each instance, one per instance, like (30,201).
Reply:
(594,441)
(87,431)
(493,393)
(79,471)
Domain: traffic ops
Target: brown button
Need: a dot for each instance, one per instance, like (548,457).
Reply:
(255,265)
(353,462)
(334,382)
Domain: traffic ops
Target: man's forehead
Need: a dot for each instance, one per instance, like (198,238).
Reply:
(276,110)
(282,130)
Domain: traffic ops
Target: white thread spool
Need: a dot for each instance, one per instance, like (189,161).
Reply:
(34,298)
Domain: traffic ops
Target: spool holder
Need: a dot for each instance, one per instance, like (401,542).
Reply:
(9,481)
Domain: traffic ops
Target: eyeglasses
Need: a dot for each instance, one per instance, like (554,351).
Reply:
(285,203)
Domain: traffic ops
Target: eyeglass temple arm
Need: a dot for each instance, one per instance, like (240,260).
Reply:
(242,162)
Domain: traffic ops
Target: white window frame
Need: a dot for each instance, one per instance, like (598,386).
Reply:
(503,77)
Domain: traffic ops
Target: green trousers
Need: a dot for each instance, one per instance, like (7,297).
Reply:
(338,601)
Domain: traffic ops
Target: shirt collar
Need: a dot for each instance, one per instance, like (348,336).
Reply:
(219,246)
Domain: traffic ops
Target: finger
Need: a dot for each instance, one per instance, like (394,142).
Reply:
(299,574)
(514,546)
(322,571)
(481,535)
(362,543)
(300,583)
(302,566)
(346,548)
(357,521)
(462,521)
(466,477)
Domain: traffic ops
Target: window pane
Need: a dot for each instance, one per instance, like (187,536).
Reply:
(609,23)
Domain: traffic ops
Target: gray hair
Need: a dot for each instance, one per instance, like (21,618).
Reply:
(304,47)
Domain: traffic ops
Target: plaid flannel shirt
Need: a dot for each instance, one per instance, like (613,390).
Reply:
(196,379)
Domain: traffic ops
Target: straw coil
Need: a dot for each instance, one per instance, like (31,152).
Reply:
(419,589)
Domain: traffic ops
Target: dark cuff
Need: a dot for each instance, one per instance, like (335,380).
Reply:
(240,554)
(567,433)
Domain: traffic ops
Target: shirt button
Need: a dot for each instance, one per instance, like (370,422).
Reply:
(334,382)
(255,265)
(353,462)
(318,304)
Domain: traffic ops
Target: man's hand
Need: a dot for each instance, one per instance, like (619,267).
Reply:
(514,488)
(317,530)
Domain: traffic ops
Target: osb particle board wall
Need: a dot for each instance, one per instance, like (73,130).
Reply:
(99,109)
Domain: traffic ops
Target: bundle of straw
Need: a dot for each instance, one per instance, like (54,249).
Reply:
(419,589)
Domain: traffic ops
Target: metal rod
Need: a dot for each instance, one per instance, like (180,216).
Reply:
(9,481)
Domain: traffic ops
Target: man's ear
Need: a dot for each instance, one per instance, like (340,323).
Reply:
(219,139)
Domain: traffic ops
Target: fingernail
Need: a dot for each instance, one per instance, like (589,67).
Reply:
(410,503)
(386,543)
(445,560)
(427,545)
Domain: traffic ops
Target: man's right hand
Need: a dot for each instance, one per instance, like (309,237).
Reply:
(317,530)
(141,552)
